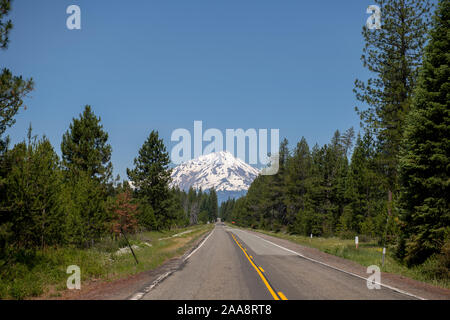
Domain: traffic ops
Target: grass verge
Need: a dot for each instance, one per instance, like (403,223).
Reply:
(44,271)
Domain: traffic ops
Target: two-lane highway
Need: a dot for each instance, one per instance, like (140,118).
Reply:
(238,265)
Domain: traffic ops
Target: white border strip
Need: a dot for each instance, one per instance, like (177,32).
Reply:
(140,295)
(335,268)
(201,244)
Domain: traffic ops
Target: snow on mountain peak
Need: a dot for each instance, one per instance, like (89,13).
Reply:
(218,170)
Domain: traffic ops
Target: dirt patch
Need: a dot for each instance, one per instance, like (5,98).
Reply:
(177,235)
(177,244)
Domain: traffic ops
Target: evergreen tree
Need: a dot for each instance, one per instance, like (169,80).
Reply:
(87,166)
(424,162)
(315,208)
(276,195)
(258,202)
(146,216)
(5,26)
(226,209)
(297,175)
(213,207)
(347,140)
(193,206)
(32,204)
(85,204)
(181,219)
(13,89)
(334,167)
(393,54)
(85,149)
(151,178)
(364,193)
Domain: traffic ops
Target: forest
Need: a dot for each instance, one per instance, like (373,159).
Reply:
(47,201)
(390,181)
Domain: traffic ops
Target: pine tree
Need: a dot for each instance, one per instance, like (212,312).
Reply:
(277,194)
(85,204)
(297,175)
(347,140)
(226,209)
(424,163)
(258,202)
(151,178)
(180,218)
(193,206)
(315,209)
(393,54)
(213,207)
(146,217)
(32,203)
(5,26)
(85,149)
(335,167)
(361,191)
(86,159)
(13,89)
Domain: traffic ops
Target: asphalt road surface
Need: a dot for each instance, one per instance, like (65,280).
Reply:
(238,265)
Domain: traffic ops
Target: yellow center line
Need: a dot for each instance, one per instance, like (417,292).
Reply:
(282,296)
(272,292)
(262,269)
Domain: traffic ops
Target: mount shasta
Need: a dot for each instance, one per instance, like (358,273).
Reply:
(229,176)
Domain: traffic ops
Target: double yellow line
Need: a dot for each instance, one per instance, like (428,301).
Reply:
(275,296)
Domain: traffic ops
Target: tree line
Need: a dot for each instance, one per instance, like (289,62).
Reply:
(46,200)
(392,183)
(317,191)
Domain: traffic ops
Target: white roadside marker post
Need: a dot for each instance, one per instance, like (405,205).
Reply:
(382,259)
(356,242)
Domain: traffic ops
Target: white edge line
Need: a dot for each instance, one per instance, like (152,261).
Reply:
(201,244)
(140,295)
(332,267)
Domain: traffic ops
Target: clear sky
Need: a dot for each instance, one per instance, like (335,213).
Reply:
(161,64)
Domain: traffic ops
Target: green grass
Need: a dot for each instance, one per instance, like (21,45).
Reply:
(35,273)
(368,253)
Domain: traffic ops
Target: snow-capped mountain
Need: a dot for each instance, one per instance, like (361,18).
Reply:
(229,176)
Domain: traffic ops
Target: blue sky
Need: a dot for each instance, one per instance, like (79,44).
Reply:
(162,64)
